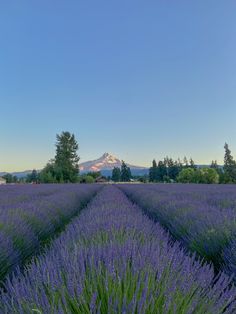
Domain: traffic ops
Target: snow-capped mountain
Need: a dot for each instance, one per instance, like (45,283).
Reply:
(105,162)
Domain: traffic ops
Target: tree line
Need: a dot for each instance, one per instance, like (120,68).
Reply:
(122,174)
(64,168)
(169,170)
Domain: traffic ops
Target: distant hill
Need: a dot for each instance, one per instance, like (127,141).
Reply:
(19,174)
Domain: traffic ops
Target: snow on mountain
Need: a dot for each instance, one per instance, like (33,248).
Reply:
(105,162)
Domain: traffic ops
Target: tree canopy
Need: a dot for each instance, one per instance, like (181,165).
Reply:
(116,175)
(229,166)
(64,168)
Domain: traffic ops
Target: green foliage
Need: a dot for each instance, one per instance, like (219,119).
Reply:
(192,164)
(169,170)
(185,162)
(214,165)
(10,178)
(86,179)
(161,171)
(48,175)
(143,179)
(229,166)
(167,179)
(94,174)
(153,172)
(64,168)
(204,175)
(186,175)
(116,174)
(32,177)
(105,292)
(125,172)
(66,159)
(173,168)
(89,179)
(208,175)
(166,170)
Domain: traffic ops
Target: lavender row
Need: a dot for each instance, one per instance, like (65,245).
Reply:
(29,215)
(13,195)
(203,217)
(113,259)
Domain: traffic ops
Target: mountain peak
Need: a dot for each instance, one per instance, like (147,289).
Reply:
(105,155)
(106,162)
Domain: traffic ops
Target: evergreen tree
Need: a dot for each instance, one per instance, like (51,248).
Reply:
(32,177)
(66,159)
(64,167)
(153,172)
(192,164)
(214,164)
(179,166)
(219,170)
(173,169)
(125,172)
(229,166)
(161,171)
(10,178)
(185,162)
(47,175)
(116,175)
(166,163)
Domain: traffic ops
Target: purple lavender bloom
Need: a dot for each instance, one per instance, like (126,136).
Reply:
(202,217)
(229,254)
(113,259)
(30,214)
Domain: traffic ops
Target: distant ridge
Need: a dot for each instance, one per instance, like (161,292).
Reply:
(19,174)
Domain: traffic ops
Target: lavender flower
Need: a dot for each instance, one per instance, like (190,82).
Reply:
(113,259)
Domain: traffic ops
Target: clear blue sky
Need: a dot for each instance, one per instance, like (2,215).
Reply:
(140,79)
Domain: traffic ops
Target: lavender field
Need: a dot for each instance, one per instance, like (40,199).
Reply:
(31,214)
(112,257)
(202,217)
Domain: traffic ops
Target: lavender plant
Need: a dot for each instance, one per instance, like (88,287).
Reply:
(229,256)
(113,259)
(202,217)
(30,215)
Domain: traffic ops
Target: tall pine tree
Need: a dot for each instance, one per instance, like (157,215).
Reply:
(229,166)
(66,159)
(161,171)
(125,172)
(116,174)
(153,172)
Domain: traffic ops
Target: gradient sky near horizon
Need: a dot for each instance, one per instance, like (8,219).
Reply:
(139,79)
